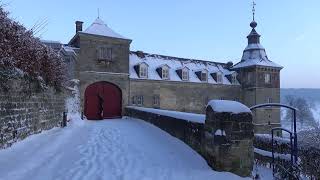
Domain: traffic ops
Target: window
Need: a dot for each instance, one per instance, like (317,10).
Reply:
(234,78)
(204,76)
(105,53)
(143,71)
(133,100)
(156,100)
(267,78)
(249,77)
(219,78)
(269,100)
(165,73)
(185,74)
(137,100)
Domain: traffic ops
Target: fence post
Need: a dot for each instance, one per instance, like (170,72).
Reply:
(82,115)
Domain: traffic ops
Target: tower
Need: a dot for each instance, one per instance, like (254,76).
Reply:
(103,69)
(260,80)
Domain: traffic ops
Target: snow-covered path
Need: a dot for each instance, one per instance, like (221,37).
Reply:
(105,150)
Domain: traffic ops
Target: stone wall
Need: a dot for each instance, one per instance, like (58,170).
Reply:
(262,116)
(88,54)
(182,96)
(25,110)
(228,141)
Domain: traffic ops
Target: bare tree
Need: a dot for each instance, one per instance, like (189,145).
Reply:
(304,114)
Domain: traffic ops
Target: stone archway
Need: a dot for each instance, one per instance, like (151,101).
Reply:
(102,100)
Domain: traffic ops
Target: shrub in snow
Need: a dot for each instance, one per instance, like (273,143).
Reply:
(20,52)
(308,150)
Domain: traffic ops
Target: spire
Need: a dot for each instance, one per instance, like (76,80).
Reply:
(253,37)
(253,9)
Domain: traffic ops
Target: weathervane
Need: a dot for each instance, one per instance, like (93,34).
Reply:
(253,9)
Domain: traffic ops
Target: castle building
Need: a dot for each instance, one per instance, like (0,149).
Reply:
(112,77)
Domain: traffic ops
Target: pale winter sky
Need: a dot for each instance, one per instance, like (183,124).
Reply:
(204,29)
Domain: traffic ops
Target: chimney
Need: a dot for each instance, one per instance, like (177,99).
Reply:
(78,26)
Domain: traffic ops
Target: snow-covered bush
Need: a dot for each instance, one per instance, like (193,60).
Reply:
(21,51)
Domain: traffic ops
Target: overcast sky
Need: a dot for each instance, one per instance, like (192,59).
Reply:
(203,29)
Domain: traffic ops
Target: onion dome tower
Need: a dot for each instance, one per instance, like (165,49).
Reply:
(260,80)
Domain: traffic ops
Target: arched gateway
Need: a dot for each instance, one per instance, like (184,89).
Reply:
(102,100)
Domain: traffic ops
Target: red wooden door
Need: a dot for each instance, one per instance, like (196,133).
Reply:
(102,101)
(112,102)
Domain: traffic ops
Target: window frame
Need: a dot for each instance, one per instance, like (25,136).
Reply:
(219,78)
(185,74)
(156,101)
(139,100)
(267,78)
(165,73)
(105,53)
(143,71)
(206,76)
(234,78)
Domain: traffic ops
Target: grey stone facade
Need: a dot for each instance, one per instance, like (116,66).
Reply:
(25,111)
(185,97)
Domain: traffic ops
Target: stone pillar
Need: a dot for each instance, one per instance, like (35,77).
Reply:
(228,137)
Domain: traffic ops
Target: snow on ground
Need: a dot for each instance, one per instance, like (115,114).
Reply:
(198,118)
(112,149)
(263,172)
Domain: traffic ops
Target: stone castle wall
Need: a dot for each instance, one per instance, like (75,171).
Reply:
(181,96)
(25,111)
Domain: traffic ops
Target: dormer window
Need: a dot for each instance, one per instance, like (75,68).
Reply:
(204,76)
(104,54)
(165,73)
(219,78)
(143,71)
(234,78)
(185,74)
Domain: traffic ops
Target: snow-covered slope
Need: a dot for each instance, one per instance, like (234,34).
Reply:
(113,149)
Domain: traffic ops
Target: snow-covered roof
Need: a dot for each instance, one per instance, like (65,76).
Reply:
(69,49)
(228,106)
(155,61)
(255,55)
(98,27)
